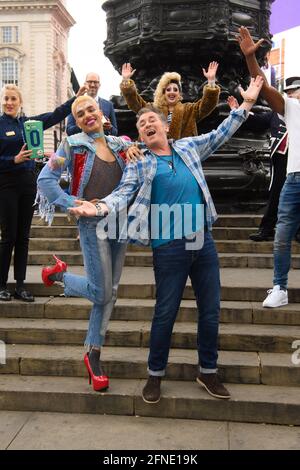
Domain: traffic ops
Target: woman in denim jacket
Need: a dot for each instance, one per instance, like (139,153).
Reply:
(96,163)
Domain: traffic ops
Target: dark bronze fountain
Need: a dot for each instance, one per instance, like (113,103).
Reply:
(156,36)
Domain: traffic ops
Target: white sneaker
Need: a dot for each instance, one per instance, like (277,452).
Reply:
(276,297)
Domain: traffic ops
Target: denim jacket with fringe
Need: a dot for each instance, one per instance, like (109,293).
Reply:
(76,155)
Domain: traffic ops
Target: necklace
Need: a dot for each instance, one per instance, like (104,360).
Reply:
(96,135)
(169,162)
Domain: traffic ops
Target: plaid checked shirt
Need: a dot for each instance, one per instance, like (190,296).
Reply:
(136,183)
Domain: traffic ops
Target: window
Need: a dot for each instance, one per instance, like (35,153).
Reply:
(10,34)
(9,71)
(16,31)
(7,34)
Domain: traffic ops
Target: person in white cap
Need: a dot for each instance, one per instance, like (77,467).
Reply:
(289,204)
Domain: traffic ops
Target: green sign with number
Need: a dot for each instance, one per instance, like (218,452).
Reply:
(34,137)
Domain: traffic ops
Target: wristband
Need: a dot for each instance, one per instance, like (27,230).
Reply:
(127,82)
(100,212)
(249,100)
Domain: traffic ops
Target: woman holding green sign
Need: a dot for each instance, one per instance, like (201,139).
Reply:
(18,183)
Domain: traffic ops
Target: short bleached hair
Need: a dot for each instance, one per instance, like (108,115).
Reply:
(80,100)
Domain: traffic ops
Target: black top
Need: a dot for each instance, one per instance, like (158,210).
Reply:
(105,177)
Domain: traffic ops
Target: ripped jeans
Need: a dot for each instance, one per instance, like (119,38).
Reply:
(288,222)
(103,262)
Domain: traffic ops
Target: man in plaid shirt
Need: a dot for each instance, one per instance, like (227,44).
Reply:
(171,175)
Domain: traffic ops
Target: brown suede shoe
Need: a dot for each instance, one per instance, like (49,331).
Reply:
(213,385)
(151,391)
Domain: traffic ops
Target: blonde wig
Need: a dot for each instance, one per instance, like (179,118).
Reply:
(165,80)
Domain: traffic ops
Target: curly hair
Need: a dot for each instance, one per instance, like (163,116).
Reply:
(165,80)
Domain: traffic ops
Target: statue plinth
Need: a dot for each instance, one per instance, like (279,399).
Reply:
(156,36)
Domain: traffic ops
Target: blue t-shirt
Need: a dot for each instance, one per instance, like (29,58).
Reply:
(177,203)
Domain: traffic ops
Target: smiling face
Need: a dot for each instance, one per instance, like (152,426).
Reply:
(172,94)
(87,115)
(10,102)
(92,82)
(152,130)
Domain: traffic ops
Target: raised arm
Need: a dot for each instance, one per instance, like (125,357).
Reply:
(128,89)
(207,144)
(60,113)
(248,48)
(211,92)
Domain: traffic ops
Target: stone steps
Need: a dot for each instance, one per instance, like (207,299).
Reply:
(227,260)
(234,247)
(70,232)
(61,243)
(131,363)
(45,370)
(233,337)
(62,308)
(180,399)
(238,284)
(224,220)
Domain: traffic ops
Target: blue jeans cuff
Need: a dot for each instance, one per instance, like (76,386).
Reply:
(156,373)
(207,371)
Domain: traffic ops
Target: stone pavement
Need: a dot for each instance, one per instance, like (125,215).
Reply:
(44,372)
(48,431)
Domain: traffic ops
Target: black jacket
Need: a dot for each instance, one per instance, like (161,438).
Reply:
(270,120)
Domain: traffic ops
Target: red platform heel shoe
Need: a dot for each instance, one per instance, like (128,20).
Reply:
(100,382)
(59,267)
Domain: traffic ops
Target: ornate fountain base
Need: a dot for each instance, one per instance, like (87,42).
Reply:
(156,36)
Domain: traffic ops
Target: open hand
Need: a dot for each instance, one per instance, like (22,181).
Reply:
(247,45)
(84,208)
(133,154)
(232,102)
(253,90)
(127,71)
(211,72)
(82,90)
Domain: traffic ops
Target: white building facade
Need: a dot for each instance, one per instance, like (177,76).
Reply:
(285,55)
(33,54)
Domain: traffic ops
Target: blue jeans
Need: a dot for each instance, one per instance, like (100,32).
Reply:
(287,225)
(103,262)
(172,266)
